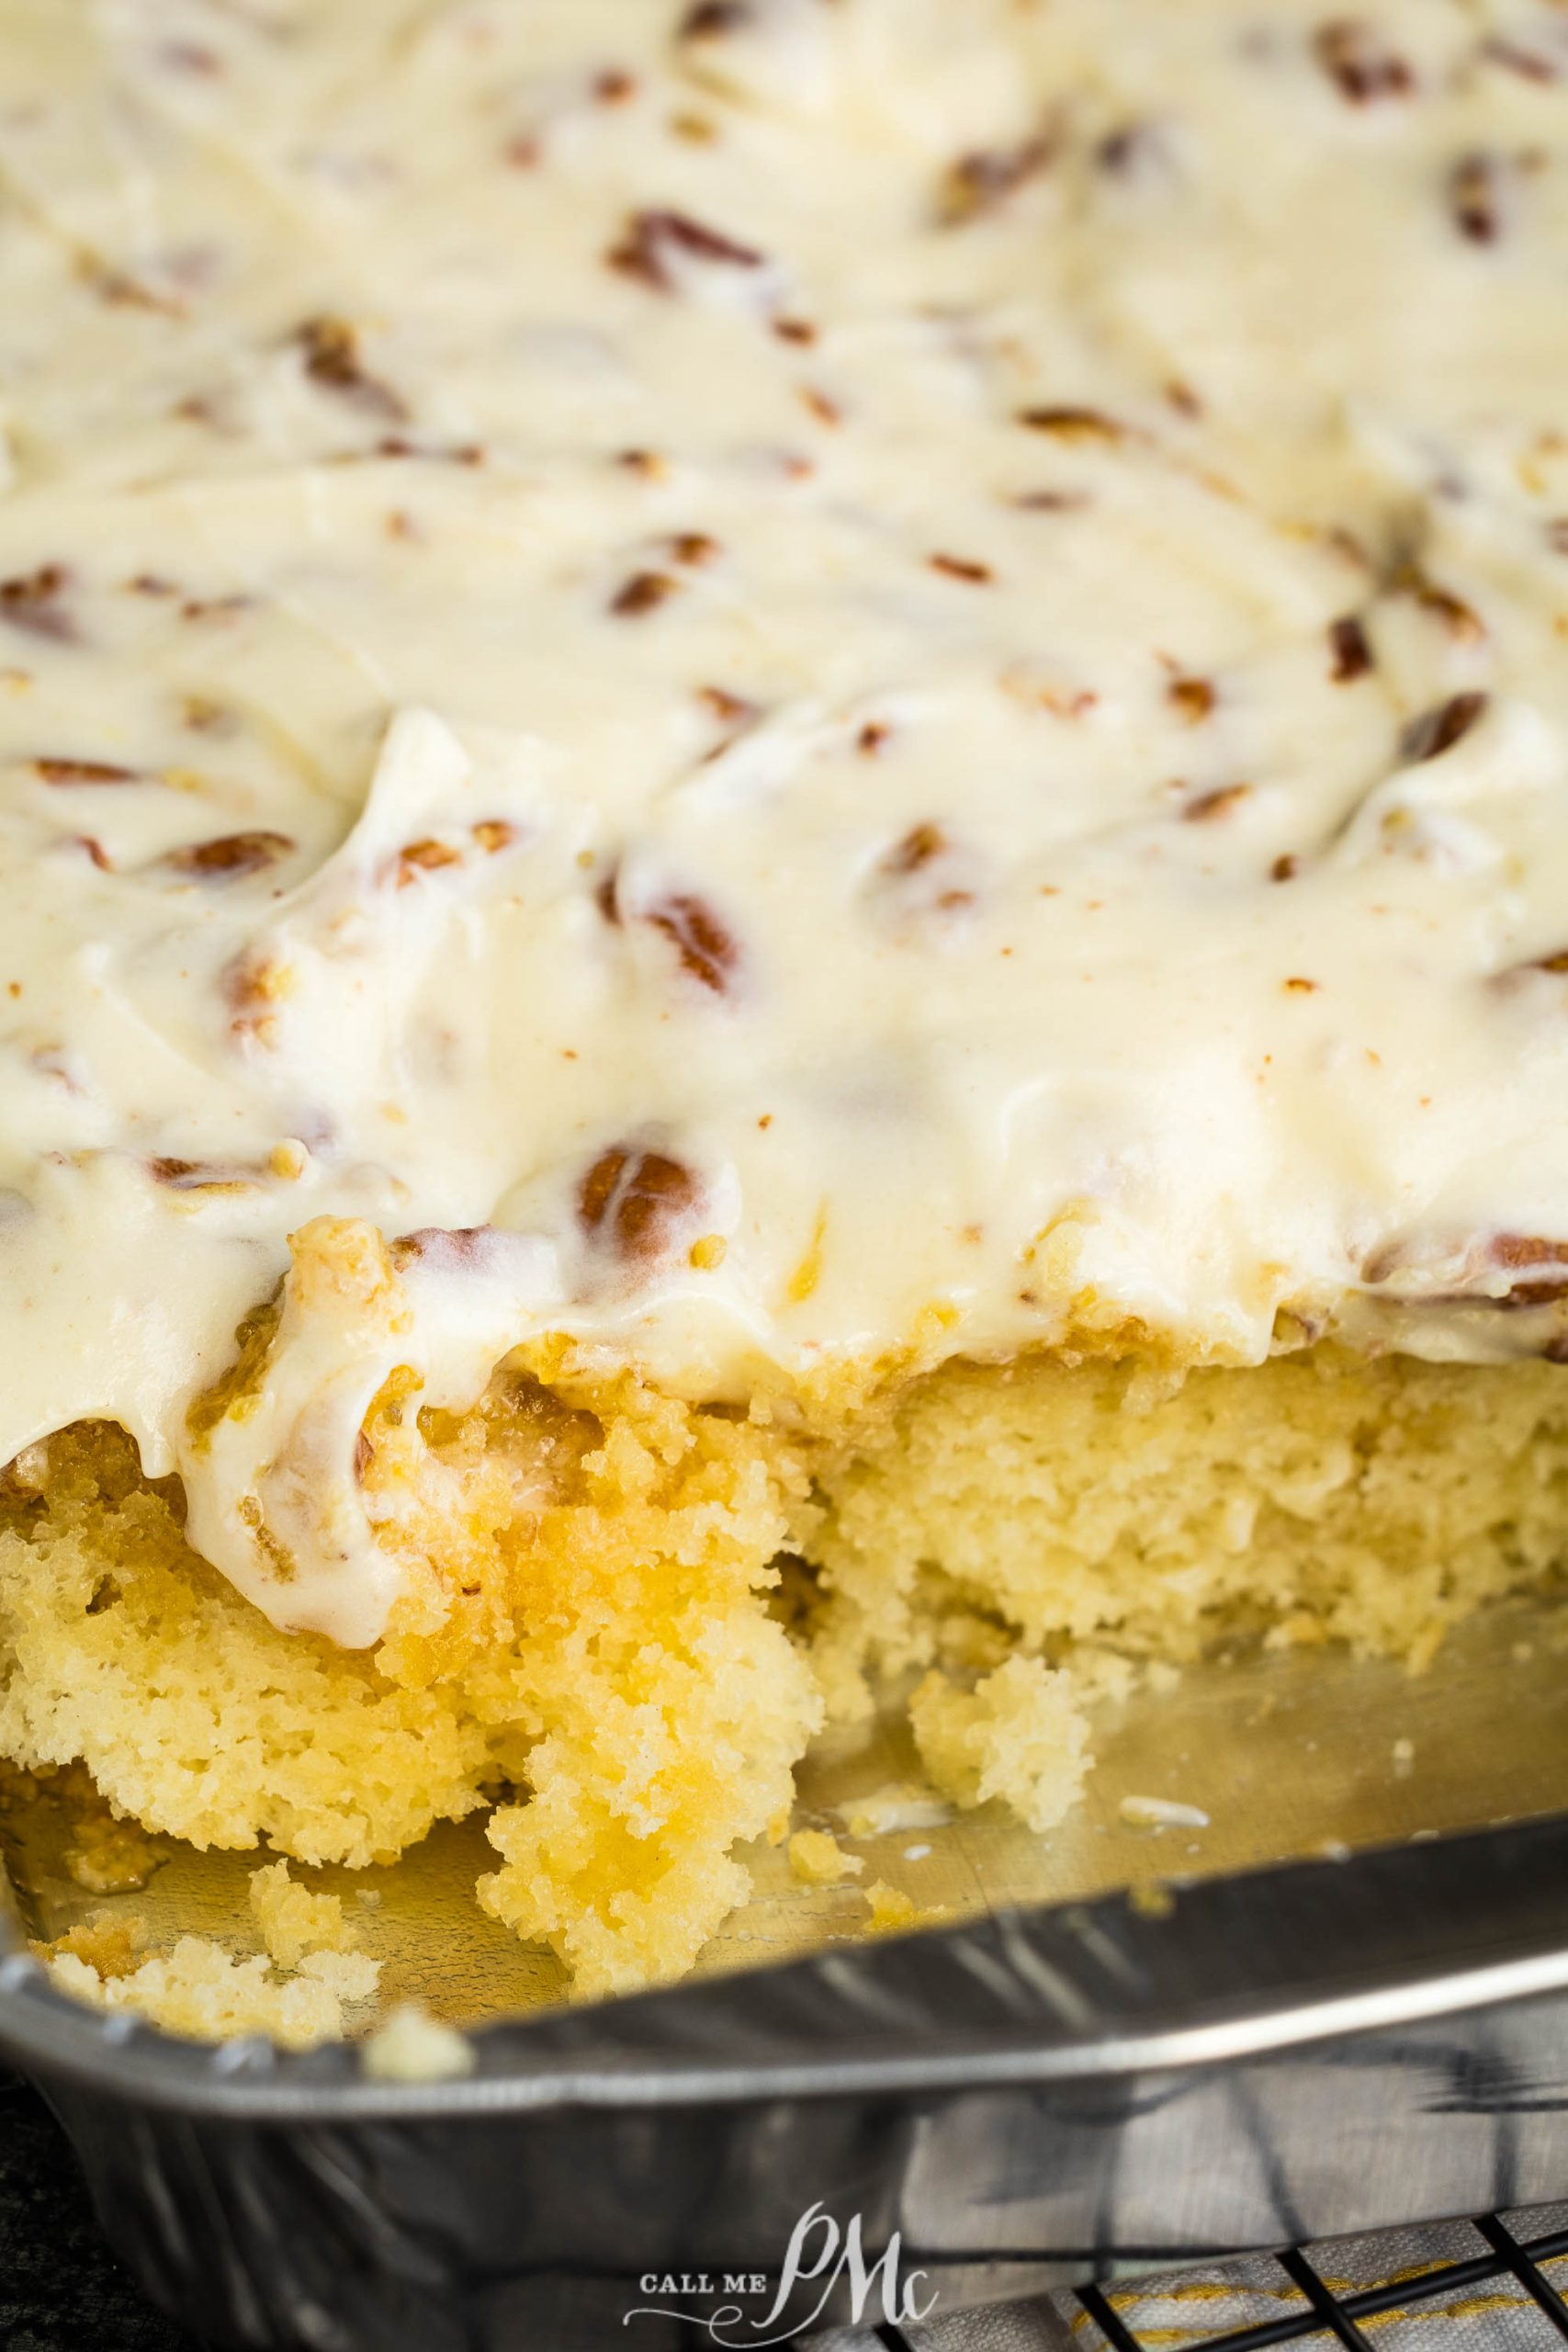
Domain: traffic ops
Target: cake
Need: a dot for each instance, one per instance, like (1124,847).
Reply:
(784,897)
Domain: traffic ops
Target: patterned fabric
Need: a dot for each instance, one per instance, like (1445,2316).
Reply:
(1184,2309)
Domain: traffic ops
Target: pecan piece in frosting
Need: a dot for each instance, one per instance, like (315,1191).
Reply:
(636,1200)
(712,19)
(1217,803)
(1475,198)
(705,949)
(31,601)
(1437,731)
(1073,424)
(423,857)
(230,856)
(1191,698)
(962,567)
(1528,63)
(919,845)
(201,1176)
(67,771)
(1462,621)
(331,348)
(926,874)
(643,593)
(1538,1265)
(982,181)
(1543,1266)
(652,239)
(1351,650)
(1359,66)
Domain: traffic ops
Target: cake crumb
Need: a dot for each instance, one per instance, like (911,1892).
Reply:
(348,1975)
(197,1990)
(414,2047)
(1403,1754)
(292,1920)
(890,1909)
(109,1946)
(1020,1735)
(817,1858)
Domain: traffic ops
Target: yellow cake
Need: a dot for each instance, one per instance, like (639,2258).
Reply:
(784,898)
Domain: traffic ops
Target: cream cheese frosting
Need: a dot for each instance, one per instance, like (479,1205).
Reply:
(787,683)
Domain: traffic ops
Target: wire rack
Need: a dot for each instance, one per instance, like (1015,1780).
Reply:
(1338,2314)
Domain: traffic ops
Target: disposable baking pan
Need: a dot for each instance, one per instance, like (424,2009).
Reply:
(1036,2093)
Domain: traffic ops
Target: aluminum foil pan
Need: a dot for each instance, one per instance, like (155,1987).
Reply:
(1059,2081)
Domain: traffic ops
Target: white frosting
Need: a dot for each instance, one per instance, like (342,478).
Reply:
(552,493)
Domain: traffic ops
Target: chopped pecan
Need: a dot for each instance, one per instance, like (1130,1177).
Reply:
(1194,698)
(204,717)
(1461,620)
(493,834)
(66,772)
(215,608)
(922,874)
(201,1176)
(1475,198)
(983,180)
(823,406)
(736,714)
(1068,423)
(32,601)
(1130,150)
(615,87)
(1531,1258)
(1218,803)
(800,331)
(1529,64)
(711,20)
(423,857)
(734,710)
(1050,502)
(1349,649)
(1437,731)
(705,949)
(1538,1265)
(331,348)
(636,1200)
(1286,868)
(651,238)
(255,986)
(919,845)
(123,292)
(962,567)
(1361,68)
(230,856)
(643,593)
(693,549)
